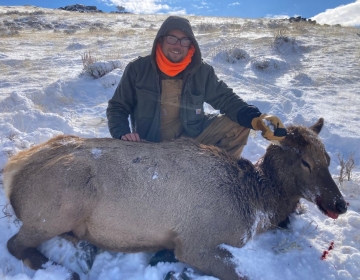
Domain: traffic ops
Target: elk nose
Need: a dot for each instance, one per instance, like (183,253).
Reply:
(341,206)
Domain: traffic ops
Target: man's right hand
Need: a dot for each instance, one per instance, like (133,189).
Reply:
(271,126)
(131,137)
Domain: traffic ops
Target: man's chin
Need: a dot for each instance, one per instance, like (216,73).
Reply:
(176,59)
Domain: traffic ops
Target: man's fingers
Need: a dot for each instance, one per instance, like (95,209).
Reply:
(134,137)
(131,137)
(137,137)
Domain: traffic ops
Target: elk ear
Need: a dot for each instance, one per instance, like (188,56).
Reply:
(316,127)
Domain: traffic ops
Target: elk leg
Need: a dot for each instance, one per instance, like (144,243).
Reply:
(70,236)
(215,262)
(86,251)
(23,246)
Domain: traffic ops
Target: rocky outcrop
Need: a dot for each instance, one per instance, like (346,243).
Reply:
(299,18)
(81,8)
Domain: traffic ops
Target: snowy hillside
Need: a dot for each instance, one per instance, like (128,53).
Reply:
(297,71)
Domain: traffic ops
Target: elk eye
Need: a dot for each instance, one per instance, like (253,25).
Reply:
(307,165)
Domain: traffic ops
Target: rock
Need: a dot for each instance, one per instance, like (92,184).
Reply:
(81,8)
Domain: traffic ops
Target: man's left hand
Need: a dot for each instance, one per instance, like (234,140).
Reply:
(134,137)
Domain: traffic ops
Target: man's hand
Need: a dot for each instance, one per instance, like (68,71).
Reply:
(271,126)
(131,137)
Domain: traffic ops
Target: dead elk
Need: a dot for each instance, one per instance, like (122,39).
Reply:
(133,197)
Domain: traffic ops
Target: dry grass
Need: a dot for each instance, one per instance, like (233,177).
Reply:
(101,33)
(281,32)
(295,243)
(87,59)
(300,28)
(8,214)
(122,33)
(4,68)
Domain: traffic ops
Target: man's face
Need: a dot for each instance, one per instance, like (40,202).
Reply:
(174,53)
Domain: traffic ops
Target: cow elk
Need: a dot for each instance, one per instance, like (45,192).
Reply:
(179,195)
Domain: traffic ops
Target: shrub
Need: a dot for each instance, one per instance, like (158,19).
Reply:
(205,27)
(8,32)
(286,45)
(346,167)
(87,59)
(101,68)
(261,63)
(232,55)
(267,63)
(70,31)
(97,69)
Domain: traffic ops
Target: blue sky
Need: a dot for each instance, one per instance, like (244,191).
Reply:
(227,8)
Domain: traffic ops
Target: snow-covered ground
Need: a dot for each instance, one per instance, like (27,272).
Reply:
(297,71)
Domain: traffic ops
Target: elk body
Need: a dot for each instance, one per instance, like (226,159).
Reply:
(131,197)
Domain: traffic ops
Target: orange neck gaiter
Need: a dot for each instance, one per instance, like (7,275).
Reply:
(170,68)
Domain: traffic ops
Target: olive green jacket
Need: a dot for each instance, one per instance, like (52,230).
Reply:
(139,93)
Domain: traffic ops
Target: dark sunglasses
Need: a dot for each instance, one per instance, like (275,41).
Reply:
(172,40)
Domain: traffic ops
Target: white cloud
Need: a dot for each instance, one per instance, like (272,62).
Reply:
(276,16)
(347,15)
(145,6)
(202,6)
(234,4)
(197,6)
(177,12)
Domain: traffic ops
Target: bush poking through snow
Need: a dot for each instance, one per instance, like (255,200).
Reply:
(285,45)
(232,55)
(267,63)
(205,27)
(69,31)
(346,167)
(8,32)
(238,54)
(101,68)
(98,69)
(261,63)
(87,59)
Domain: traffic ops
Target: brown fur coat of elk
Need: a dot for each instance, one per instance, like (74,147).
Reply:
(131,197)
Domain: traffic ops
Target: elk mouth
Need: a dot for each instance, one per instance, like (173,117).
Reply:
(327,212)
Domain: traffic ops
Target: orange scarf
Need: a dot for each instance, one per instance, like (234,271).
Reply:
(170,68)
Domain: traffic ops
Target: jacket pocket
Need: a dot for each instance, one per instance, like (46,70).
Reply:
(197,97)
(147,101)
(195,114)
(195,108)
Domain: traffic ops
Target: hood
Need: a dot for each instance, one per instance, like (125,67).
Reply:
(175,22)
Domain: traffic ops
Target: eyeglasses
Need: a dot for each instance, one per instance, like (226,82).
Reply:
(172,40)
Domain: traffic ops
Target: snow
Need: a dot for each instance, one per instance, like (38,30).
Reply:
(96,153)
(298,72)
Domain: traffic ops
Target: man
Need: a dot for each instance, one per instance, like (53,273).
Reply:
(164,94)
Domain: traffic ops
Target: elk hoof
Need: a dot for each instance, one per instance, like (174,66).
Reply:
(74,276)
(171,275)
(285,223)
(163,256)
(86,255)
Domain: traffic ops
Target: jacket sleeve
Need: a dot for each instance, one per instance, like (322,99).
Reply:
(221,97)
(122,104)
